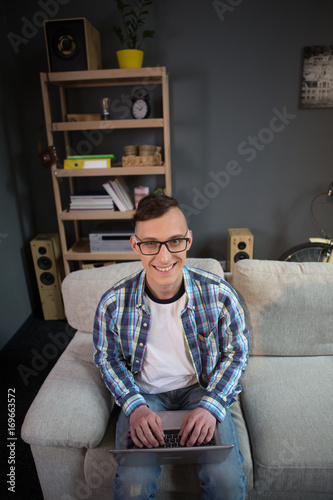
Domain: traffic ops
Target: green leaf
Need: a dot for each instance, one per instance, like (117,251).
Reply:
(148,34)
(119,34)
(121,5)
(133,13)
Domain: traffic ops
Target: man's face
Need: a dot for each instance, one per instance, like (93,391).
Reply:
(164,270)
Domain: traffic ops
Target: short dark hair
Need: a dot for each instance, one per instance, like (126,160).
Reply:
(153,206)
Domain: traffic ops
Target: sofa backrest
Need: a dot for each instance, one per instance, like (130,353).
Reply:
(288,306)
(82,290)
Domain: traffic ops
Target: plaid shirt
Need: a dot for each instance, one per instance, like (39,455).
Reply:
(214,328)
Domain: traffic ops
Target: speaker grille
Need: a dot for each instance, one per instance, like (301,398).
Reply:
(44,263)
(47,279)
(241,256)
(64,45)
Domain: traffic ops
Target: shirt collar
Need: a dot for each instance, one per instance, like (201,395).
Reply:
(141,301)
(188,288)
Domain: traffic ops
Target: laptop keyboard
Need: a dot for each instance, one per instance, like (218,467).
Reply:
(171,440)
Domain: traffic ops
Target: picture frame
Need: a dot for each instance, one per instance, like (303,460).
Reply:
(317,77)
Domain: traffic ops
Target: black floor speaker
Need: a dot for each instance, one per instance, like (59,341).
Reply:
(72,45)
(47,259)
(240,246)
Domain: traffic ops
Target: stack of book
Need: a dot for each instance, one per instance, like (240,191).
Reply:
(90,201)
(119,193)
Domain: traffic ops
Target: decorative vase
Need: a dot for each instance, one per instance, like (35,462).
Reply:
(130,58)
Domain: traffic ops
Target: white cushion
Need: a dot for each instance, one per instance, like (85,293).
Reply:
(288,306)
(82,290)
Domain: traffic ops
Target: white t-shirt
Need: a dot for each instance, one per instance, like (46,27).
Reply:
(167,363)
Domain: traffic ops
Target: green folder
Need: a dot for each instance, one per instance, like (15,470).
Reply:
(91,157)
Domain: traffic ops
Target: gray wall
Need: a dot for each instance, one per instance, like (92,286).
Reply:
(231,72)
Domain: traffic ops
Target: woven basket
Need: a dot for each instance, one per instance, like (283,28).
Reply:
(142,161)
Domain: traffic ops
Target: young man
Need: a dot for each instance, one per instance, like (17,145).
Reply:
(172,338)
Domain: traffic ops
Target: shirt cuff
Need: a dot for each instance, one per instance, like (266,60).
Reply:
(214,407)
(132,403)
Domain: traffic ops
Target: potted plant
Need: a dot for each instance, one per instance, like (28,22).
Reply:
(131,35)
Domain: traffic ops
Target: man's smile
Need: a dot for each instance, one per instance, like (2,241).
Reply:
(165,269)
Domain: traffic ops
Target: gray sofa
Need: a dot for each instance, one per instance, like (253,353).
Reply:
(283,418)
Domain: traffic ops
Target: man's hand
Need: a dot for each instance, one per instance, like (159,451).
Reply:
(198,427)
(146,428)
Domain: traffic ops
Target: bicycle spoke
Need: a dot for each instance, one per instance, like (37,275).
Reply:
(307,252)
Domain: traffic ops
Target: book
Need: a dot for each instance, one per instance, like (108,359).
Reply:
(119,192)
(123,192)
(112,193)
(90,201)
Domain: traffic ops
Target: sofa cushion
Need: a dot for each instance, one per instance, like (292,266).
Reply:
(287,404)
(73,389)
(288,306)
(82,290)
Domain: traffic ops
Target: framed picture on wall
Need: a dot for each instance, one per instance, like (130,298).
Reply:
(317,78)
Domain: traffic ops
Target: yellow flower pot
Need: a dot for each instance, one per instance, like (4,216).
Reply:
(130,58)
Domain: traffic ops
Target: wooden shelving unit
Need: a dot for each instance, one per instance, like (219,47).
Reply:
(80,251)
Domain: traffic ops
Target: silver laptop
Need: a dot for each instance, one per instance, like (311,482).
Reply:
(213,452)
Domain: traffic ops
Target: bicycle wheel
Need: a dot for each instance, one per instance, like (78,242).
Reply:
(306,252)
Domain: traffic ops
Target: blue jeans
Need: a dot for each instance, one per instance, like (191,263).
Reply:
(221,481)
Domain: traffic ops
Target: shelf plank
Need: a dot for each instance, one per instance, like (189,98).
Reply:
(108,124)
(97,215)
(108,172)
(106,77)
(81,251)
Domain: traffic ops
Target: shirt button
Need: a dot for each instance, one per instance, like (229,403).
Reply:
(141,344)
(137,361)
(145,324)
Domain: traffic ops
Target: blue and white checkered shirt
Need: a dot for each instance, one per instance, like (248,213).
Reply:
(214,328)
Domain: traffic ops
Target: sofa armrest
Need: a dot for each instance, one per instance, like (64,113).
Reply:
(73,406)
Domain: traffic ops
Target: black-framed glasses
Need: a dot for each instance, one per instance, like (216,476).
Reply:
(175,245)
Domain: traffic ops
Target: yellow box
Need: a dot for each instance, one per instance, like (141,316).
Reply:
(85,163)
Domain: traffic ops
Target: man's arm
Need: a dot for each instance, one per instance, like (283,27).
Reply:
(145,425)
(223,375)
(233,338)
(109,359)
